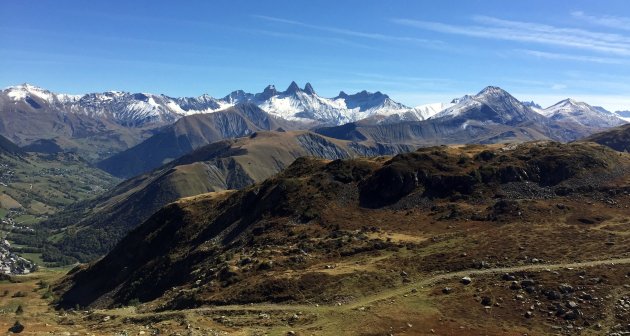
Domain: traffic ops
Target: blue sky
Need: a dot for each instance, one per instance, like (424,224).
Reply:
(415,51)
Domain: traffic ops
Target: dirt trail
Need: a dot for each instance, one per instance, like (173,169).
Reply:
(390,293)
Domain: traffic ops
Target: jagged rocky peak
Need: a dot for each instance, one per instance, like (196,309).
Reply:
(268,92)
(461,99)
(293,88)
(363,95)
(235,96)
(532,104)
(308,88)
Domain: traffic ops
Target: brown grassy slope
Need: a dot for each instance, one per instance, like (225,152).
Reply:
(616,138)
(228,164)
(338,231)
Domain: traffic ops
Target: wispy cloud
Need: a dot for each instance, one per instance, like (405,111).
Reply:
(12,55)
(499,29)
(609,21)
(354,33)
(294,36)
(558,87)
(105,39)
(572,57)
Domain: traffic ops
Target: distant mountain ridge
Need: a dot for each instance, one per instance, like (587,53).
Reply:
(583,114)
(189,133)
(491,116)
(99,125)
(144,109)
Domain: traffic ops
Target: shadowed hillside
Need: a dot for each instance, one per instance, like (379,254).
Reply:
(616,138)
(348,232)
(228,164)
(190,133)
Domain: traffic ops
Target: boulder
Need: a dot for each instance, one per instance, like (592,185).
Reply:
(553,295)
(486,301)
(17,328)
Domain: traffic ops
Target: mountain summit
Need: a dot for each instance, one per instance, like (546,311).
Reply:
(492,104)
(582,113)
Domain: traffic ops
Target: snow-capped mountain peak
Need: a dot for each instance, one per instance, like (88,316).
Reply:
(267,93)
(491,90)
(582,113)
(305,104)
(293,88)
(492,104)
(427,111)
(25,90)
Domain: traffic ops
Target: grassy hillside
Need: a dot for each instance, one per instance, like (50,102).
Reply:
(464,240)
(616,138)
(40,184)
(228,164)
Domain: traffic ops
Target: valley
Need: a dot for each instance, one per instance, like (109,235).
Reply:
(246,221)
(34,186)
(294,168)
(537,246)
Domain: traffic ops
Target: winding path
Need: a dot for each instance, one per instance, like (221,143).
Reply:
(386,294)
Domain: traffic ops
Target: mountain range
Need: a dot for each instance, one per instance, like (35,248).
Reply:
(492,115)
(207,163)
(99,125)
(320,205)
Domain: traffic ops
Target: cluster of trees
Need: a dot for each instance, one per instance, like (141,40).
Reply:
(72,246)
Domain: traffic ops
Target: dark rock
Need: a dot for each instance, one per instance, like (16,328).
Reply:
(528,283)
(17,328)
(571,315)
(572,304)
(565,288)
(486,301)
(553,295)
(508,277)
